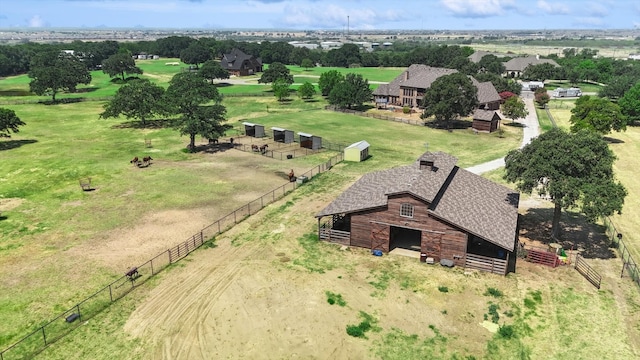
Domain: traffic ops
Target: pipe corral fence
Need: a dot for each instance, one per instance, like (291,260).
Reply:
(70,319)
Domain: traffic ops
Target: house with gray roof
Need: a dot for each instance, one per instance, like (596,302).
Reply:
(409,87)
(240,64)
(515,66)
(431,206)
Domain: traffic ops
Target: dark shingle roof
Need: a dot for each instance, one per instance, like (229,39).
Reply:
(417,76)
(481,207)
(422,76)
(487,93)
(520,63)
(485,115)
(469,201)
(479,54)
(235,59)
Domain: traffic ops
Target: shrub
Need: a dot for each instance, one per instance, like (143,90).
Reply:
(406,110)
(355,331)
(506,332)
(333,298)
(443,289)
(493,292)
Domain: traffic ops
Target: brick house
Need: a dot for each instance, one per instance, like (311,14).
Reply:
(409,87)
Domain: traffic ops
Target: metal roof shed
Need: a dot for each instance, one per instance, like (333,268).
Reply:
(310,141)
(255,130)
(283,135)
(357,151)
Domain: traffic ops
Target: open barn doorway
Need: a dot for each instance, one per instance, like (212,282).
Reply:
(405,238)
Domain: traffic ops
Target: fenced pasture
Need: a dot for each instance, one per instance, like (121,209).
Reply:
(67,321)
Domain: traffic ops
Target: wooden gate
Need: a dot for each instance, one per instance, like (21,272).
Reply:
(380,237)
(543,257)
(588,272)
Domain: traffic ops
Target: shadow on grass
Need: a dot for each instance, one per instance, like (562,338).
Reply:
(149,124)
(513,124)
(211,148)
(86,90)
(62,101)
(14,92)
(611,140)
(3,217)
(575,233)
(12,144)
(453,124)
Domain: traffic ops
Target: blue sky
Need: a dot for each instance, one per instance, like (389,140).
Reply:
(323,14)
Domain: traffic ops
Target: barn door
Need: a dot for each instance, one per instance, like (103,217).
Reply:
(433,245)
(380,237)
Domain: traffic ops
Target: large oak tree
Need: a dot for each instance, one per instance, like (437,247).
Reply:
(120,64)
(189,95)
(449,97)
(352,92)
(597,114)
(139,99)
(54,71)
(578,168)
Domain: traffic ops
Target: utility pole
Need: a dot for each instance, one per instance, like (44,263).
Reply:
(347,26)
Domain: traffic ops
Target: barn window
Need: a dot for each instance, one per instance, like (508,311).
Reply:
(406,210)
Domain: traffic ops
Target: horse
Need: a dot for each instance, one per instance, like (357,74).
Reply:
(542,187)
(292,176)
(134,161)
(213,141)
(255,148)
(263,149)
(145,161)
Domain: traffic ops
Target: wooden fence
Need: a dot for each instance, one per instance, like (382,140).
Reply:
(67,321)
(588,272)
(335,236)
(484,263)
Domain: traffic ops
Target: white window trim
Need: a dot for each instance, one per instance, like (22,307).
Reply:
(403,210)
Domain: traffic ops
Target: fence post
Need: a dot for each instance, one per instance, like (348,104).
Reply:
(78,311)
(170,258)
(152,272)
(110,293)
(44,336)
(249,208)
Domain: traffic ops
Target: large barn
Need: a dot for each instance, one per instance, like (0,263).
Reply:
(431,206)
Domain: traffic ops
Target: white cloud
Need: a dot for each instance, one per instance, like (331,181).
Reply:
(553,8)
(36,21)
(477,8)
(335,17)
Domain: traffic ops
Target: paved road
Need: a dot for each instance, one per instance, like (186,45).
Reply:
(531,129)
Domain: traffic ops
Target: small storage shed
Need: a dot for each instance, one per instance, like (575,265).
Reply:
(255,130)
(310,141)
(357,152)
(486,120)
(282,135)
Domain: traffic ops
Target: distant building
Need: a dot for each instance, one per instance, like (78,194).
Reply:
(240,64)
(478,55)
(328,45)
(299,44)
(634,56)
(515,66)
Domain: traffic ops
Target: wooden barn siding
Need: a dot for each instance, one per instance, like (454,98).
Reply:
(481,125)
(439,239)
(444,241)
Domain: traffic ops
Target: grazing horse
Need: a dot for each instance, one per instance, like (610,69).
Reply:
(255,148)
(134,161)
(263,149)
(145,161)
